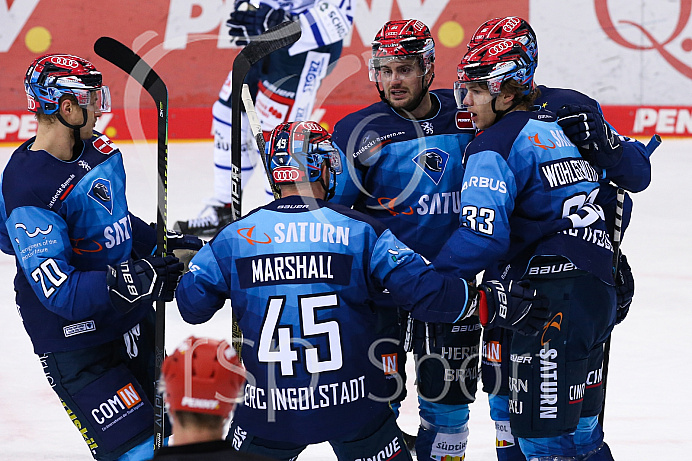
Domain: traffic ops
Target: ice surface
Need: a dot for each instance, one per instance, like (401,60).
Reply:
(648,403)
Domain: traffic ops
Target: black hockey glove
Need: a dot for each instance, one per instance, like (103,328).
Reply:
(585,127)
(514,306)
(178,241)
(183,246)
(150,279)
(624,287)
(248,21)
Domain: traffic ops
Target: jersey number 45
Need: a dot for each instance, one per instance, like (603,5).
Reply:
(275,342)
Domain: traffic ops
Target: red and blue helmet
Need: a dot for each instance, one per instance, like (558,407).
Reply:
(54,75)
(402,39)
(496,61)
(296,151)
(511,27)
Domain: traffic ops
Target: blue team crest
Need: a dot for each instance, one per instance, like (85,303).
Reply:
(433,162)
(100,191)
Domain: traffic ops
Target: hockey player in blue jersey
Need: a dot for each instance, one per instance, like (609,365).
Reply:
(302,275)
(283,85)
(620,160)
(522,175)
(85,278)
(403,166)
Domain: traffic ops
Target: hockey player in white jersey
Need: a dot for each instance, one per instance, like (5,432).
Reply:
(284,86)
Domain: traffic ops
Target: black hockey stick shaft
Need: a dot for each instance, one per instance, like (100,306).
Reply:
(263,45)
(123,57)
(256,128)
(617,238)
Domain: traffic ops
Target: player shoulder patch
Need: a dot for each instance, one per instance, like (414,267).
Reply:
(104,145)
(100,192)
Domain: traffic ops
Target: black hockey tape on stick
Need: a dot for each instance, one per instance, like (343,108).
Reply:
(617,238)
(263,45)
(256,128)
(123,57)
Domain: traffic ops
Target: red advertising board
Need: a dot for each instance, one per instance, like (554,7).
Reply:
(186,43)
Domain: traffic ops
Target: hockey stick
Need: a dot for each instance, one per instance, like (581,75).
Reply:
(256,128)
(259,47)
(617,238)
(123,57)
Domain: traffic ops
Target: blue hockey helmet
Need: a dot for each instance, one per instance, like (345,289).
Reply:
(52,76)
(296,152)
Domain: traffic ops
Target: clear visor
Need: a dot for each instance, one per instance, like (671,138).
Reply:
(395,68)
(459,93)
(477,93)
(99,99)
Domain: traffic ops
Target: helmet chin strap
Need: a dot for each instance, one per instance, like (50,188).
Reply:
(501,113)
(328,191)
(77,148)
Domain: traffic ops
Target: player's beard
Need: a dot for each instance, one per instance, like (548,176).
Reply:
(411,105)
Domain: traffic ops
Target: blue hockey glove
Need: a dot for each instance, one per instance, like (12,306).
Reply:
(515,306)
(248,21)
(153,278)
(585,127)
(624,287)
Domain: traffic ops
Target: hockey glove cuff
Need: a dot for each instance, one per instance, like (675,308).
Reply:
(515,306)
(624,288)
(145,280)
(247,21)
(585,127)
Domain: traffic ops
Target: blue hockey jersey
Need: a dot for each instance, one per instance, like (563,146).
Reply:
(520,173)
(406,173)
(301,275)
(65,222)
(632,172)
